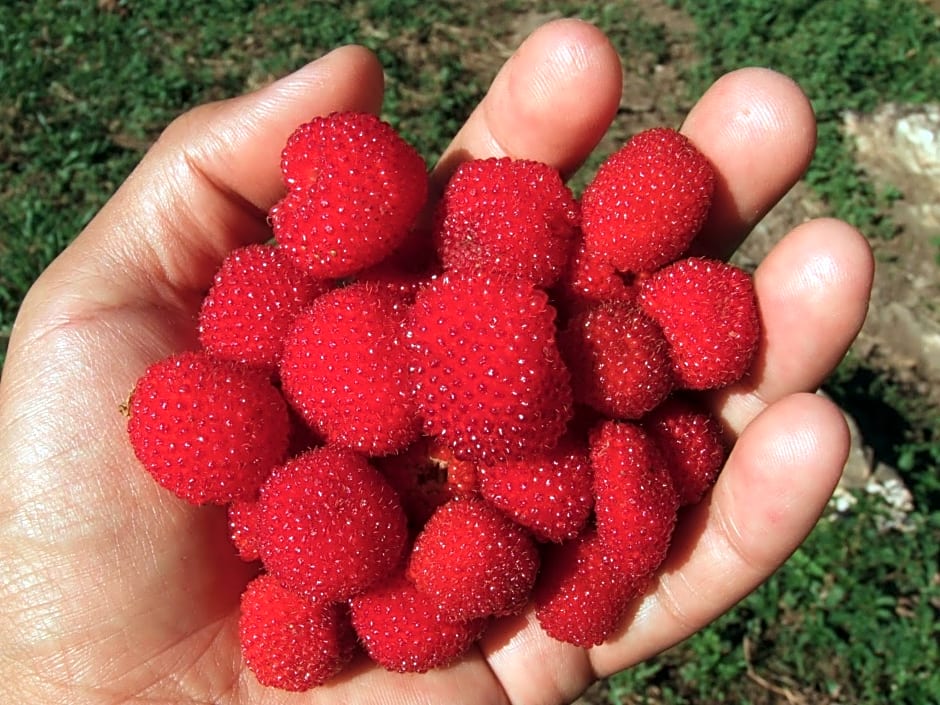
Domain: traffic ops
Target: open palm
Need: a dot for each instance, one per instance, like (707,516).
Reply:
(113,591)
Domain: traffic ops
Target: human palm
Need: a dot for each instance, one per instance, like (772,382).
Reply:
(112,590)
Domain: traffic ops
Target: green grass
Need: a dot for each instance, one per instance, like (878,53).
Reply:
(88,86)
(848,55)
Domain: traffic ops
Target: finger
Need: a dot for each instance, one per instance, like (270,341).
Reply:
(551,102)
(812,290)
(769,496)
(206,185)
(758,129)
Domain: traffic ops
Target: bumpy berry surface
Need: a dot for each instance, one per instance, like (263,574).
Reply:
(648,201)
(345,370)
(403,630)
(506,217)
(635,501)
(329,524)
(254,298)
(473,562)
(489,380)
(549,493)
(708,312)
(426,475)
(619,360)
(692,443)
(208,430)
(356,188)
(290,642)
(581,597)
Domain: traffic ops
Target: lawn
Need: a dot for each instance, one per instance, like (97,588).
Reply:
(853,617)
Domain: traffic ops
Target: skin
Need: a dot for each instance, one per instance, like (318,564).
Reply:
(113,591)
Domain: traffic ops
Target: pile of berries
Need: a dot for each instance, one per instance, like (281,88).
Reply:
(421,420)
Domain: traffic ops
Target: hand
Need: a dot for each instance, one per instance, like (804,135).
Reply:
(112,590)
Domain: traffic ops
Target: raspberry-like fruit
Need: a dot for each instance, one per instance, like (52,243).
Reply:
(345,370)
(291,642)
(403,630)
(254,298)
(648,201)
(489,380)
(208,430)
(634,498)
(329,524)
(692,443)
(548,492)
(473,562)
(506,216)
(356,188)
(581,597)
(619,360)
(708,312)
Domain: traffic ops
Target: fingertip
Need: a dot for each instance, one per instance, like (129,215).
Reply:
(330,77)
(758,128)
(781,473)
(551,102)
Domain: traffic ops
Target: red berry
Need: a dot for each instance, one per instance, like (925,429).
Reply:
(345,370)
(291,642)
(356,188)
(581,597)
(208,430)
(692,443)
(647,201)
(634,498)
(330,525)
(254,298)
(708,312)
(403,630)
(548,492)
(489,379)
(619,360)
(506,217)
(473,562)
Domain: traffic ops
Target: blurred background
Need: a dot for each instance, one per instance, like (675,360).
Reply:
(88,85)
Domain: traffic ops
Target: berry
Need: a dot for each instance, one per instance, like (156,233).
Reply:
(208,430)
(254,298)
(618,358)
(647,201)
(403,630)
(345,370)
(356,188)
(634,498)
(506,217)
(708,312)
(692,444)
(330,525)
(581,597)
(290,642)
(549,492)
(489,380)
(473,562)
